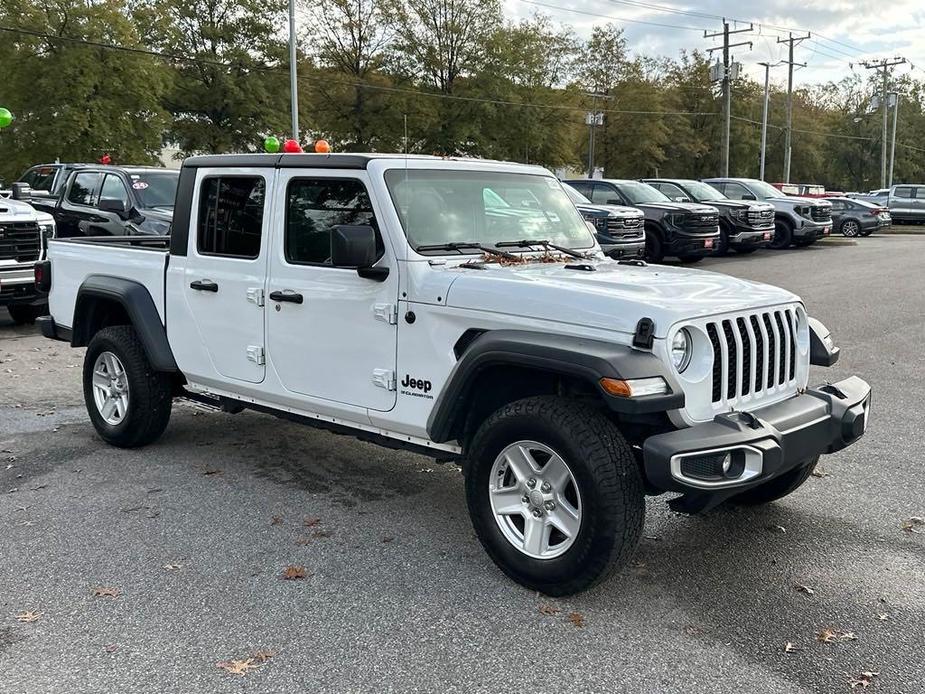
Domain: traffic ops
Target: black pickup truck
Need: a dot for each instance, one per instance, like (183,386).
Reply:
(685,230)
(107,200)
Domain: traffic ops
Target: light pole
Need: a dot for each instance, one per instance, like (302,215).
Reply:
(764,115)
(895,100)
(293,80)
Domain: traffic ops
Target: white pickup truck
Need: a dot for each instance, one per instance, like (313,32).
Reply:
(24,234)
(395,298)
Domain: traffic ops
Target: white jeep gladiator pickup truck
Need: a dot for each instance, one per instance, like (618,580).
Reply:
(394,298)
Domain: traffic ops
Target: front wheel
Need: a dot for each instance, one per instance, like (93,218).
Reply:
(779,487)
(554,493)
(655,252)
(127,400)
(783,235)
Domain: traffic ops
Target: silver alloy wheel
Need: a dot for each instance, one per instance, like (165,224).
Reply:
(110,388)
(850,228)
(535,499)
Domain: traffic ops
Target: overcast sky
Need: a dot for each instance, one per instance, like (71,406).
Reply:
(843,31)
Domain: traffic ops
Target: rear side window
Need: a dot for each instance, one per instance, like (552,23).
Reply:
(82,188)
(231,216)
(40,177)
(314,207)
(903,192)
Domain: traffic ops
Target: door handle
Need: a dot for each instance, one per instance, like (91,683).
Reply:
(286,295)
(204,286)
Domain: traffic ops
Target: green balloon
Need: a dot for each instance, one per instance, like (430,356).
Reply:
(270,144)
(5,117)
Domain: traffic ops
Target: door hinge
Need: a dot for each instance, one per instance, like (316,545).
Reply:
(255,295)
(384,378)
(256,354)
(387,313)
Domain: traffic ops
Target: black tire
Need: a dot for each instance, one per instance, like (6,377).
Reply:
(149,391)
(655,251)
(779,487)
(606,475)
(691,259)
(722,245)
(25,314)
(850,228)
(783,235)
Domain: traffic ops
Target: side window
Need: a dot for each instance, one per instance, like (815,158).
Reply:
(314,207)
(230,216)
(721,187)
(40,177)
(902,192)
(114,189)
(581,187)
(672,191)
(736,191)
(920,193)
(603,194)
(83,188)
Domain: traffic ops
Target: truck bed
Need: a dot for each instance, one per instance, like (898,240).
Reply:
(139,258)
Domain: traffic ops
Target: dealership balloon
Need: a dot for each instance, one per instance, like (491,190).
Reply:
(271,144)
(5,117)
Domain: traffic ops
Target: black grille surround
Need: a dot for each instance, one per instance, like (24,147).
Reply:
(821,213)
(20,241)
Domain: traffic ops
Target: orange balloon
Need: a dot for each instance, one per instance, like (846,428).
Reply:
(322,147)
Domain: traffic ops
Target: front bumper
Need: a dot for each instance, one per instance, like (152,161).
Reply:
(684,244)
(626,249)
(749,237)
(761,444)
(813,230)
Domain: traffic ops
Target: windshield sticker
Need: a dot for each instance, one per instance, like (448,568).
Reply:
(139,185)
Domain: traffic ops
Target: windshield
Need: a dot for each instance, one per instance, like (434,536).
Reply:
(763,190)
(155,189)
(640,193)
(440,206)
(703,192)
(575,196)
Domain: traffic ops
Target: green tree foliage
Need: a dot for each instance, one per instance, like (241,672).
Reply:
(217,108)
(74,101)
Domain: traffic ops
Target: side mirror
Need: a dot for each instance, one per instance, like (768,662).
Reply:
(682,198)
(112,205)
(354,246)
(614,201)
(21,191)
(748,196)
(591,227)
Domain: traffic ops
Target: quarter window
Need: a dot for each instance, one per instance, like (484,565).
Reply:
(314,207)
(82,188)
(231,216)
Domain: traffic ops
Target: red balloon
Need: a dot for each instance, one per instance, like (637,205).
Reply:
(291,147)
(105,159)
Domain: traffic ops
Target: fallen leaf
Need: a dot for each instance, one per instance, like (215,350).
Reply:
(387,539)
(820,473)
(294,573)
(171,567)
(211,471)
(111,647)
(548,609)
(311,522)
(863,680)
(883,617)
(577,619)
(847,636)
(263,656)
(276,520)
(238,667)
(826,636)
(790,648)
(104,592)
(804,589)
(691,630)
(29,616)
(911,525)
(777,528)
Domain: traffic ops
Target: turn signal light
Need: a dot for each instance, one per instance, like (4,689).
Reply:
(634,387)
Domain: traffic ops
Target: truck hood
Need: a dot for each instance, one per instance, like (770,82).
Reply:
(741,205)
(796,200)
(692,207)
(613,297)
(608,210)
(19,211)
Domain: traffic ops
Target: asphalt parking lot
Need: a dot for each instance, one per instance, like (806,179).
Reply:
(193,535)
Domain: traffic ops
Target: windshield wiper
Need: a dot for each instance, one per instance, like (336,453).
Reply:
(526,243)
(464,245)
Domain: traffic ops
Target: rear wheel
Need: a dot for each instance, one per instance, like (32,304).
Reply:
(783,235)
(850,228)
(554,493)
(779,487)
(127,400)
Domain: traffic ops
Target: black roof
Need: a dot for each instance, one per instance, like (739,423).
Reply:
(281,161)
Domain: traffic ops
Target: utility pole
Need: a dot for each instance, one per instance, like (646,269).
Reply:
(788,130)
(895,96)
(884,67)
(764,116)
(593,119)
(293,81)
(727,82)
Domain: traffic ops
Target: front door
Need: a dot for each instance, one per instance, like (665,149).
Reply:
(332,334)
(225,273)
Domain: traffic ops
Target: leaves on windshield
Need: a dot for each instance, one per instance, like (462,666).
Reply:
(524,259)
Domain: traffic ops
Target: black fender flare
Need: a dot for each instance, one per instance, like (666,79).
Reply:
(586,359)
(135,298)
(822,349)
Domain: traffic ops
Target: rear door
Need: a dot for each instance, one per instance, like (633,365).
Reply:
(902,202)
(332,334)
(224,276)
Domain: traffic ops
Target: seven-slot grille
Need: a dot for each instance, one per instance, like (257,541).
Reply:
(753,354)
(20,241)
(821,213)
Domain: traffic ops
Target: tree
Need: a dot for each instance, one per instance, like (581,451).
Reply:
(231,85)
(73,100)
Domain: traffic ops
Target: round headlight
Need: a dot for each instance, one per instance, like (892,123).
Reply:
(681,350)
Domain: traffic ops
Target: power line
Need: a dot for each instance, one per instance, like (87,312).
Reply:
(610,17)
